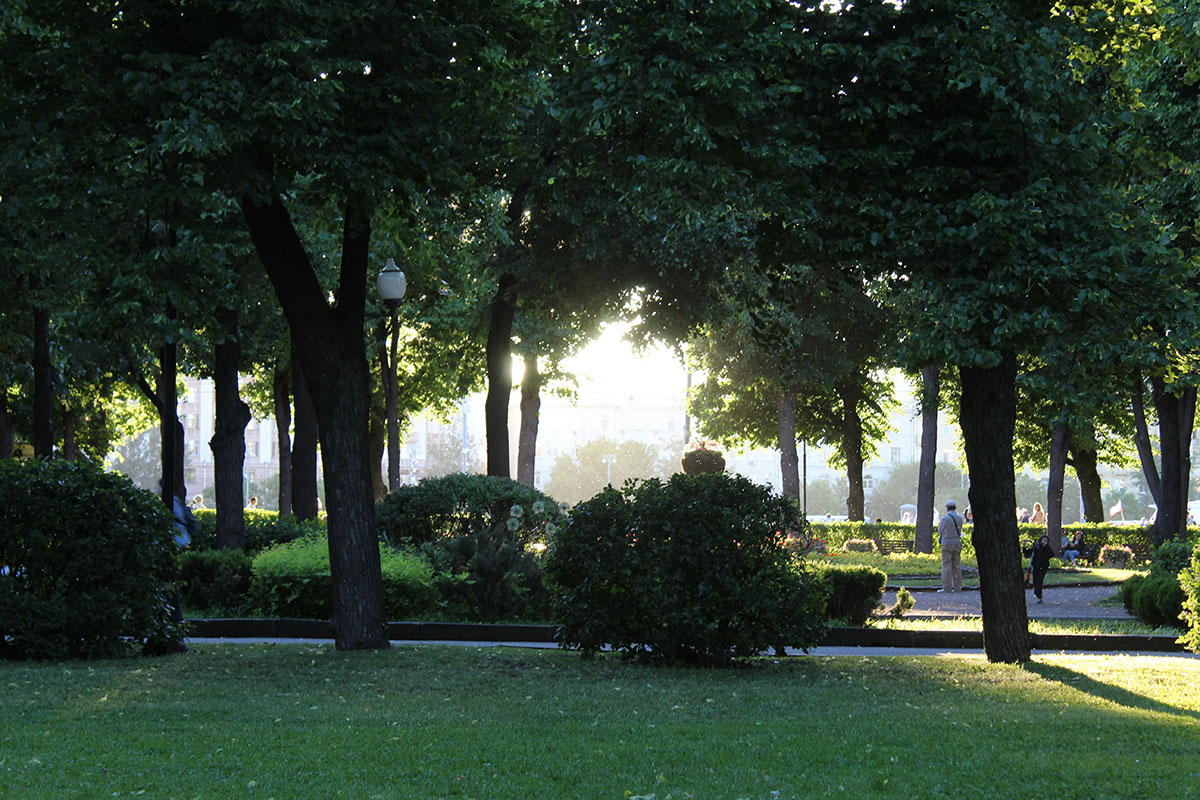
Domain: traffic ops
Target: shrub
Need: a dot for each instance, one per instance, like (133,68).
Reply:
(87,563)
(458,505)
(1116,556)
(214,579)
(263,529)
(859,546)
(702,458)
(694,569)
(1171,557)
(853,592)
(489,575)
(904,603)
(293,580)
(1189,581)
(1155,599)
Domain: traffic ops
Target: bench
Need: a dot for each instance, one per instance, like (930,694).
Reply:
(894,545)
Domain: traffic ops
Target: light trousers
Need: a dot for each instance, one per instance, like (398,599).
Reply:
(952,567)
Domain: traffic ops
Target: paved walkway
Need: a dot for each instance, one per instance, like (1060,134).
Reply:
(1061,601)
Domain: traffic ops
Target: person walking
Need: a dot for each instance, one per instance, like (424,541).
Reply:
(950,539)
(1039,564)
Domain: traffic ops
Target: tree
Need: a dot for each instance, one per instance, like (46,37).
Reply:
(901,485)
(603,462)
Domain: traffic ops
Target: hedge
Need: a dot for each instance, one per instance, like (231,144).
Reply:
(293,580)
(836,534)
(263,529)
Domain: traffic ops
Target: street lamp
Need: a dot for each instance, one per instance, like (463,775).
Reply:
(609,459)
(392,284)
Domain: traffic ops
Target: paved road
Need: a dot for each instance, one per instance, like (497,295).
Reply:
(1065,601)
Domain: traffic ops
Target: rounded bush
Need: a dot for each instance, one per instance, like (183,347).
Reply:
(1155,599)
(859,546)
(293,579)
(456,505)
(87,563)
(694,569)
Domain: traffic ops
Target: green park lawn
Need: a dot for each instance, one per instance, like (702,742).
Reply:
(923,569)
(296,721)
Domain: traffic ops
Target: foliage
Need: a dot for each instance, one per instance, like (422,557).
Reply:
(853,591)
(263,529)
(1115,555)
(1155,599)
(904,603)
(214,579)
(1189,580)
(827,495)
(490,573)
(859,546)
(694,569)
(579,475)
(87,562)
(463,505)
(702,458)
(293,580)
(900,488)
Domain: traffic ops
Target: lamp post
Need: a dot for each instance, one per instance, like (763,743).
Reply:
(392,284)
(609,459)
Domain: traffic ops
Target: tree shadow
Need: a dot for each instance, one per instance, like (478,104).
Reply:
(1105,691)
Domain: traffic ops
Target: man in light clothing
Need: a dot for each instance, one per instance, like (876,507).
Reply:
(950,538)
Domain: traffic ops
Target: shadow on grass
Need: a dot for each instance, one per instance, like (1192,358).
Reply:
(1104,691)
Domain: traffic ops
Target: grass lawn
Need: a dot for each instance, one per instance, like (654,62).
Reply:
(1088,627)
(290,721)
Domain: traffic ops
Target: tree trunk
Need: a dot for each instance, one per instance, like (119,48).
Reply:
(6,431)
(304,442)
(377,436)
(927,471)
(333,351)
(1141,438)
(789,459)
(1060,443)
(43,397)
(228,441)
(852,436)
(1084,462)
(70,451)
(1172,410)
(499,377)
(1187,421)
(987,417)
(531,404)
(168,415)
(281,394)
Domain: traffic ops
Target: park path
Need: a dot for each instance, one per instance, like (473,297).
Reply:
(1060,601)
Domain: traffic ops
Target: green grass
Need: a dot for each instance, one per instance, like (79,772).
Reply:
(290,721)
(1130,627)
(925,569)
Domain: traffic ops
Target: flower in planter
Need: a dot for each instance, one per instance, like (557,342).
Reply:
(702,457)
(1117,556)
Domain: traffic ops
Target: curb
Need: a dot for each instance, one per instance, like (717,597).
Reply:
(544,634)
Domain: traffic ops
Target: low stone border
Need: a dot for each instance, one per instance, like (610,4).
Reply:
(543,634)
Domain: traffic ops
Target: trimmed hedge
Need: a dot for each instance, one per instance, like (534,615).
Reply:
(87,563)
(263,529)
(694,569)
(1189,581)
(854,592)
(293,580)
(836,534)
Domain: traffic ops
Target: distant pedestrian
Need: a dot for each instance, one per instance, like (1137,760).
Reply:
(1039,515)
(253,505)
(1039,564)
(950,539)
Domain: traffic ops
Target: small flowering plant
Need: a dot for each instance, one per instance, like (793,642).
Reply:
(702,457)
(1117,556)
